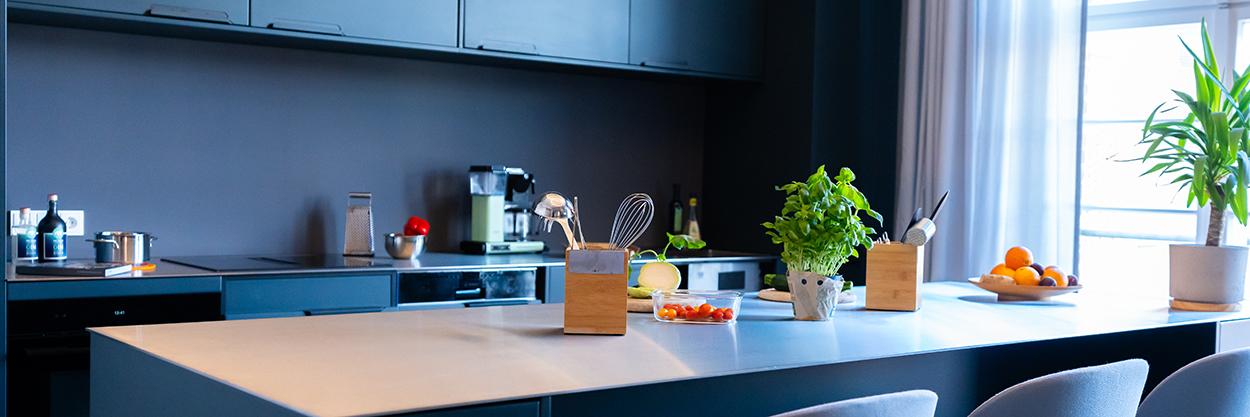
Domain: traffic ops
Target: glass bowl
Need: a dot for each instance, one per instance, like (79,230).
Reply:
(688,306)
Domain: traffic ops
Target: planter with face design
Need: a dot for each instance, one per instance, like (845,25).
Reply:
(814,296)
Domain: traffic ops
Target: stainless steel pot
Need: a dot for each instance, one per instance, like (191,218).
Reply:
(124,247)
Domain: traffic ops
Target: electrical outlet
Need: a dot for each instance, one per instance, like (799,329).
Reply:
(75,220)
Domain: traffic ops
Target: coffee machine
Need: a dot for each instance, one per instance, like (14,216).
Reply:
(500,211)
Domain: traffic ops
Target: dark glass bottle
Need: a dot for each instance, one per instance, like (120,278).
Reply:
(51,234)
(676,212)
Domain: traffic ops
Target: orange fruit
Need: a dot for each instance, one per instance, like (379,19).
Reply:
(1061,278)
(1001,269)
(1018,257)
(1026,276)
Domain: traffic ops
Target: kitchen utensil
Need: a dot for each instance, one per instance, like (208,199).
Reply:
(358,236)
(577,218)
(938,209)
(404,247)
(122,247)
(1012,292)
(920,233)
(554,208)
(730,300)
(632,218)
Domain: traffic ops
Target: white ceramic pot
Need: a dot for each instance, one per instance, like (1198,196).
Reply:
(1207,274)
(813,296)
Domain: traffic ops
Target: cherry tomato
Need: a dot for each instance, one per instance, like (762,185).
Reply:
(718,314)
(679,313)
(705,310)
(662,314)
(728,314)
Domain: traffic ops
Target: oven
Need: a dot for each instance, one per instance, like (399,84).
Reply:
(459,289)
(49,350)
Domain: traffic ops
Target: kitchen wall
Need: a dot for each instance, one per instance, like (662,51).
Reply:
(236,149)
(829,97)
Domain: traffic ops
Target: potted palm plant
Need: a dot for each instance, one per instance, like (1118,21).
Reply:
(819,229)
(1205,153)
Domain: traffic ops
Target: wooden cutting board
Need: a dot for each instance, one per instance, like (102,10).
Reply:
(771,294)
(639,305)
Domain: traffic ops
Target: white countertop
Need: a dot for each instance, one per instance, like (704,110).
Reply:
(368,364)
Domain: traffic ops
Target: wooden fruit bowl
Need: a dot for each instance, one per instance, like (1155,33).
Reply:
(1011,292)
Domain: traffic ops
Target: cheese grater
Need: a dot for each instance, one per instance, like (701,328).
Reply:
(358,238)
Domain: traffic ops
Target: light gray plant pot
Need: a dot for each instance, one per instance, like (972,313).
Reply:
(1207,274)
(813,296)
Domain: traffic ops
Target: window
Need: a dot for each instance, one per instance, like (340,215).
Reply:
(1132,59)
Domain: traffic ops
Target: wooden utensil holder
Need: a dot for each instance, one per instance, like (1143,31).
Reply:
(895,271)
(595,281)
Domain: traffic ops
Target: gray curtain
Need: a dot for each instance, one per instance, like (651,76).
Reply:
(989,111)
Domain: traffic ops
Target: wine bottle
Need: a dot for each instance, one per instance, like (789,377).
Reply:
(27,236)
(51,234)
(692,222)
(675,212)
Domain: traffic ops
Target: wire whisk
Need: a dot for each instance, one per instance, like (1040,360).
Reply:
(632,219)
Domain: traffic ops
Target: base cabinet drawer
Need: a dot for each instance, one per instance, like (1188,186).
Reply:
(234,12)
(255,297)
(423,21)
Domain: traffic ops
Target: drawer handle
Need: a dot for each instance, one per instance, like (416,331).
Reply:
(188,13)
(343,310)
(679,64)
(306,26)
(496,303)
(508,46)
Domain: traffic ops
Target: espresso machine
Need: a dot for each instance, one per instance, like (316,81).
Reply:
(501,211)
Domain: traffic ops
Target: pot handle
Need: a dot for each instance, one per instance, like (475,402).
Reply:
(114,242)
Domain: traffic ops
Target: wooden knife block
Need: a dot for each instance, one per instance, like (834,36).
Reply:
(895,271)
(595,281)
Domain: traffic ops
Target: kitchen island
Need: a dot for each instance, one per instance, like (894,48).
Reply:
(515,360)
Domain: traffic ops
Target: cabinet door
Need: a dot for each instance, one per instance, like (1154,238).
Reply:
(276,296)
(721,36)
(582,29)
(423,21)
(222,11)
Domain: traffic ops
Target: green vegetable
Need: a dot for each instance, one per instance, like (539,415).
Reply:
(1206,150)
(681,242)
(777,281)
(819,228)
(639,292)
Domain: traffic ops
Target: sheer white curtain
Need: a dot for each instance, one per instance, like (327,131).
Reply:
(989,111)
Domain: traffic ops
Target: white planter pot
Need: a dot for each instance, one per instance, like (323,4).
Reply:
(813,296)
(1207,274)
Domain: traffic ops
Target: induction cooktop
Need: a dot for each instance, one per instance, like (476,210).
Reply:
(242,263)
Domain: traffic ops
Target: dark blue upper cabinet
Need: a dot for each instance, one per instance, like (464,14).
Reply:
(221,11)
(581,29)
(719,36)
(423,21)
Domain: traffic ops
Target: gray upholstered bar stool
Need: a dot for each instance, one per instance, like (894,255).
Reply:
(1214,386)
(1110,390)
(918,403)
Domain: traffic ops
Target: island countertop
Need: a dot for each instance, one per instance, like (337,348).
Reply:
(393,362)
